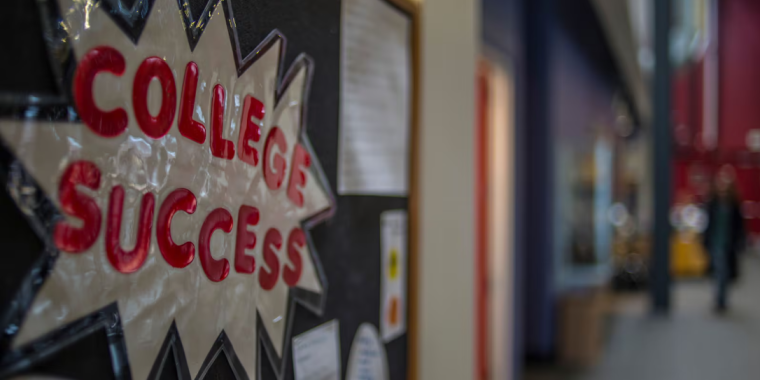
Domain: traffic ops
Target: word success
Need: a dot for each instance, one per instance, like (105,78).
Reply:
(109,124)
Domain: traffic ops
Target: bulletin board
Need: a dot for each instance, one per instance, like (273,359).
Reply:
(351,243)
(343,234)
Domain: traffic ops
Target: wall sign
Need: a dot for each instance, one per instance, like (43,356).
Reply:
(393,244)
(376,82)
(181,187)
(367,360)
(316,353)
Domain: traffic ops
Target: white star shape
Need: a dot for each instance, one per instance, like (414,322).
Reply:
(157,294)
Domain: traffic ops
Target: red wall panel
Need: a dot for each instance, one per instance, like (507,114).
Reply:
(739,72)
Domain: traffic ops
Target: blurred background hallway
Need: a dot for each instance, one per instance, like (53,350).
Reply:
(636,172)
(692,343)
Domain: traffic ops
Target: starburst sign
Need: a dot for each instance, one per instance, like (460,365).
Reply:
(187,187)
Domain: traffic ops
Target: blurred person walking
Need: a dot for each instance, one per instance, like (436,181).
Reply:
(724,236)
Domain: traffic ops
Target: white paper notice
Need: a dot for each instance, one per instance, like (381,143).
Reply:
(316,353)
(373,155)
(393,231)
(367,360)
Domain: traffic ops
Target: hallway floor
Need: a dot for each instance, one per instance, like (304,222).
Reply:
(693,343)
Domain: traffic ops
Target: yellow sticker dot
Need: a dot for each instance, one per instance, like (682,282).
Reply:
(393,272)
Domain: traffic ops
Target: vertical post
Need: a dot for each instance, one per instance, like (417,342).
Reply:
(710,75)
(538,314)
(661,141)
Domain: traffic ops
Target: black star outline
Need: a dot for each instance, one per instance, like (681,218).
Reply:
(44,214)
(131,20)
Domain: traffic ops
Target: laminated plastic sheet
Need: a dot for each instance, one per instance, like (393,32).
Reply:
(173,185)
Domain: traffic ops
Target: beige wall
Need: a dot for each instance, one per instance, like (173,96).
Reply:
(450,42)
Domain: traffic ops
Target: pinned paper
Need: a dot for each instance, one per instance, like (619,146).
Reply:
(316,353)
(376,66)
(367,360)
(393,244)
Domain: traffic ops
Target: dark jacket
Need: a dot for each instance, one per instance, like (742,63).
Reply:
(735,241)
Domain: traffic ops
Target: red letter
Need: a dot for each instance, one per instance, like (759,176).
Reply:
(66,237)
(219,146)
(250,132)
(297,174)
(128,261)
(267,280)
(274,177)
(101,58)
(178,256)
(296,240)
(219,219)
(247,216)
(187,126)
(158,126)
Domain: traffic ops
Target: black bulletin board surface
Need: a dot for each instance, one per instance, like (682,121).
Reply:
(348,244)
